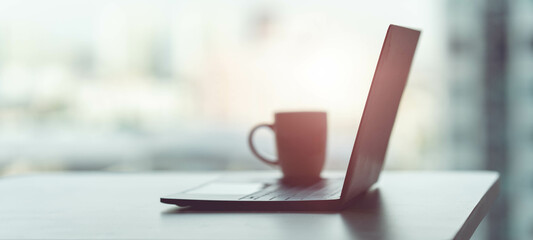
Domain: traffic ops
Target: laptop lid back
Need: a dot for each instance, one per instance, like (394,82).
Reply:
(368,154)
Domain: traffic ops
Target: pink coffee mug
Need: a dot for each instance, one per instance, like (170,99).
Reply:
(301,144)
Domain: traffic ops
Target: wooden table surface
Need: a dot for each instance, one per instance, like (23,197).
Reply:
(403,205)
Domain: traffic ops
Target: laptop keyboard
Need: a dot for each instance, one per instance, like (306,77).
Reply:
(323,190)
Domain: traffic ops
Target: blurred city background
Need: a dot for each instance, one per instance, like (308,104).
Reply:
(176,85)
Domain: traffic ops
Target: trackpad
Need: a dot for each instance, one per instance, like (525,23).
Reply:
(229,188)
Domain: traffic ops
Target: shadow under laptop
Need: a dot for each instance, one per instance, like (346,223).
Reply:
(365,218)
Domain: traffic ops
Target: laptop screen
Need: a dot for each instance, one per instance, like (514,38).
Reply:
(368,154)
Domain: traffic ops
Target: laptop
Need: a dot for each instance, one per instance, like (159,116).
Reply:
(366,161)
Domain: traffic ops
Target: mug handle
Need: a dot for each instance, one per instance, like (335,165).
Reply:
(254,151)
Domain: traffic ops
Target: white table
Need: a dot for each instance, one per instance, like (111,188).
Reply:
(404,205)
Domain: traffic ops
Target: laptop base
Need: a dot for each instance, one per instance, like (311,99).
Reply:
(315,205)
